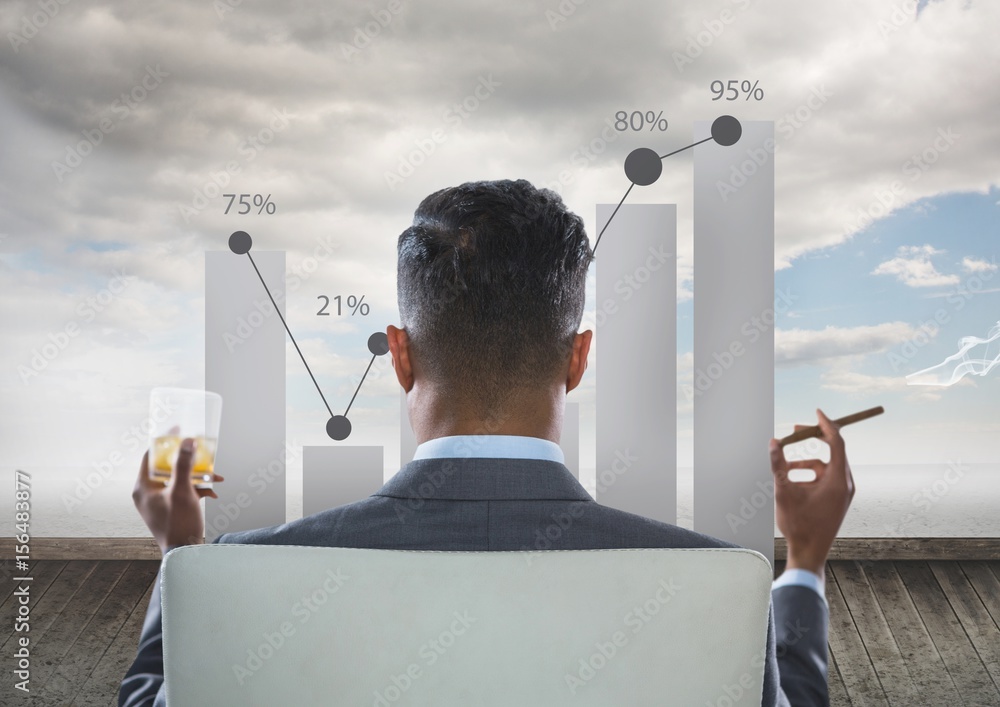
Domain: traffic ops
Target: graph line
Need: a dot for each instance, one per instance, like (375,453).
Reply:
(359,386)
(693,144)
(644,166)
(290,335)
(598,242)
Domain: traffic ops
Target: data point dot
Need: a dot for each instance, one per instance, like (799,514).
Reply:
(643,166)
(726,130)
(378,343)
(338,427)
(240,242)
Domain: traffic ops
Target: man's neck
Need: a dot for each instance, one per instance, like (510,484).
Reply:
(433,416)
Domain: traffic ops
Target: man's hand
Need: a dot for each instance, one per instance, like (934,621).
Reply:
(809,513)
(172,513)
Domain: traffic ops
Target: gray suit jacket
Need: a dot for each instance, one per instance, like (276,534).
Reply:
(511,504)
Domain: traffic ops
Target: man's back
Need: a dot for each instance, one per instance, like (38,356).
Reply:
(478,504)
(534,505)
(510,504)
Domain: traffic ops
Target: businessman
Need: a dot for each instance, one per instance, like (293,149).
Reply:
(491,280)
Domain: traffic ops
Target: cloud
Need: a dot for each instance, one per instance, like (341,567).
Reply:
(793,347)
(354,120)
(976,265)
(913,267)
(841,378)
(926,249)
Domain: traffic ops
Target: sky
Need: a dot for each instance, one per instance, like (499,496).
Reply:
(122,123)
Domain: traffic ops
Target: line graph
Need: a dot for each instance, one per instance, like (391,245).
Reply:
(338,427)
(643,166)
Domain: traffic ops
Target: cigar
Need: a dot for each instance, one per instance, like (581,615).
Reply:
(815,431)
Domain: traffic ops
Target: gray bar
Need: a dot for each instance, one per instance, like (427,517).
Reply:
(245,364)
(570,440)
(407,440)
(636,342)
(334,476)
(734,337)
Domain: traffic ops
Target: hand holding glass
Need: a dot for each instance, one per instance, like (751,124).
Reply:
(177,413)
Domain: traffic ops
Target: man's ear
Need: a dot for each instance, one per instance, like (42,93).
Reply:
(578,359)
(399,349)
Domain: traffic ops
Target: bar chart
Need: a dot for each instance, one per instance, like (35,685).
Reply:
(733,348)
(635,442)
(637,368)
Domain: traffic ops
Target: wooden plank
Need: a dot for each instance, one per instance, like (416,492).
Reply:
(86,651)
(976,620)
(856,670)
(906,549)
(835,684)
(41,619)
(43,574)
(995,568)
(87,597)
(86,549)
(875,633)
(987,586)
(924,664)
(102,685)
(968,673)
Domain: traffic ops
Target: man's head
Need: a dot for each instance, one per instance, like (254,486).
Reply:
(491,279)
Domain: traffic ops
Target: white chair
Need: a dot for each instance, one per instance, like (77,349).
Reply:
(299,626)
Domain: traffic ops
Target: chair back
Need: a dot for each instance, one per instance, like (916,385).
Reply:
(297,626)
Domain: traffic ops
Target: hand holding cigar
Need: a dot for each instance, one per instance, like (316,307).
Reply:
(814,430)
(809,513)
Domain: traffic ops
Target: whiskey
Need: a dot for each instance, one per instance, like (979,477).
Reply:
(164,457)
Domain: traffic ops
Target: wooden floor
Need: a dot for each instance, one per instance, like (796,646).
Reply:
(901,633)
(914,633)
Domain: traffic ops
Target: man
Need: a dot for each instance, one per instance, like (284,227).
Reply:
(491,280)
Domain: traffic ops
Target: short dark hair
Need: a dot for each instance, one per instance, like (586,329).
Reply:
(491,288)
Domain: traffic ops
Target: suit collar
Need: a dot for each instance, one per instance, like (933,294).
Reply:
(484,479)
